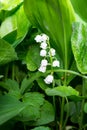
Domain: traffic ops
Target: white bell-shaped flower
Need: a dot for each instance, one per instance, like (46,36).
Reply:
(43,45)
(44,62)
(43,53)
(52,52)
(44,38)
(56,63)
(42,69)
(38,38)
(48,79)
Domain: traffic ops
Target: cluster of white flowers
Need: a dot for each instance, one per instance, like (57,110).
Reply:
(46,52)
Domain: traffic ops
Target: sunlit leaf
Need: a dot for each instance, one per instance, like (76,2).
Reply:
(15,27)
(79,46)
(4,4)
(62,91)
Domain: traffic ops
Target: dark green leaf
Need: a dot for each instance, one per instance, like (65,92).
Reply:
(79,46)
(33,58)
(62,91)
(42,84)
(9,107)
(85,108)
(7,52)
(47,114)
(41,128)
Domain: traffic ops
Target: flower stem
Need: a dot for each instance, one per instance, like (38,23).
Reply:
(84,89)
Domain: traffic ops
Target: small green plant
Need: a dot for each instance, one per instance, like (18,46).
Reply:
(43,65)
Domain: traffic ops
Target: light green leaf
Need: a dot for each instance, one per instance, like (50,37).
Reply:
(62,91)
(79,46)
(9,25)
(7,52)
(9,107)
(41,128)
(33,58)
(53,17)
(6,6)
(13,29)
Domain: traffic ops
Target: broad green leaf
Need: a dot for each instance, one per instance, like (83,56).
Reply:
(12,87)
(73,108)
(62,91)
(11,36)
(53,17)
(7,52)
(47,114)
(25,84)
(7,9)
(79,46)
(80,7)
(41,128)
(13,29)
(33,58)
(22,23)
(32,112)
(9,25)
(9,108)
(34,76)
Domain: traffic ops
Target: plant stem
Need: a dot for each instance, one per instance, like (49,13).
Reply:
(13,71)
(62,113)
(82,106)
(67,115)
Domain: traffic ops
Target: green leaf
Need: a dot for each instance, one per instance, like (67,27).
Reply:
(42,84)
(34,76)
(24,85)
(62,91)
(12,87)
(8,25)
(33,58)
(7,52)
(80,7)
(47,114)
(41,128)
(85,107)
(79,46)
(32,112)
(53,17)
(6,6)
(14,26)
(9,107)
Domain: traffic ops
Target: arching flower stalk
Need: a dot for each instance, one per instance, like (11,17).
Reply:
(49,58)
